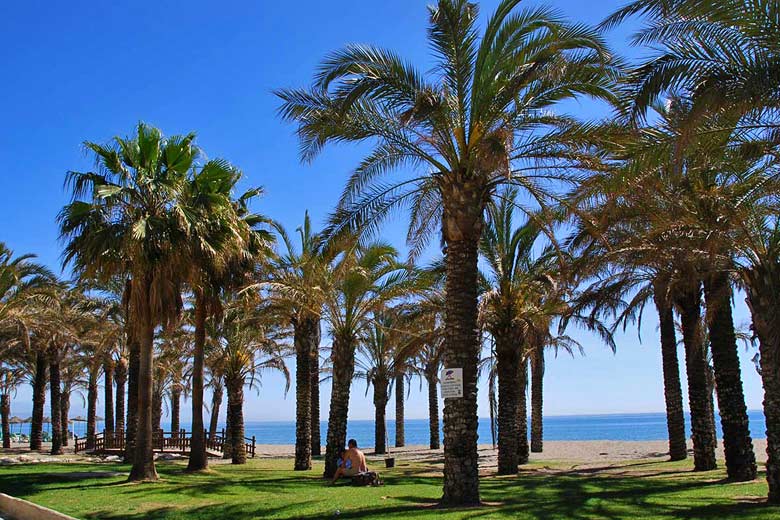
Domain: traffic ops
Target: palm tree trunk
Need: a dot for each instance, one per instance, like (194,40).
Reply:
(235,388)
(303,356)
(343,370)
(461,350)
(39,400)
(108,396)
(56,412)
(433,407)
(143,461)
(92,393)
(380,410)
(537,400)
(522,413)
(65,414)
(227,448)
(5,414)
(675,419)
(763,302)
(157,405)
(216,403)
(316,437)
(198,459)
(507,369)
(120,377)
(688,302)
(400,434)
(134,369)
(176,409)
(738,446)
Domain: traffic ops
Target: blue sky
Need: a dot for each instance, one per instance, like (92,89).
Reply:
(78,70)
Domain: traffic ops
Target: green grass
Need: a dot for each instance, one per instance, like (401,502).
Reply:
(268,489)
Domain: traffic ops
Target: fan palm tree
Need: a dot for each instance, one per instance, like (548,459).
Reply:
(481,119)
(127,217)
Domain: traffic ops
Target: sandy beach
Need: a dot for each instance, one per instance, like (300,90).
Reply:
(576,452)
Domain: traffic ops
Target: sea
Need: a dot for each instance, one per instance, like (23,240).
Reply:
(617,427)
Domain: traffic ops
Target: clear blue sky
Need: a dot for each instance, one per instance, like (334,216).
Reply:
(81,70)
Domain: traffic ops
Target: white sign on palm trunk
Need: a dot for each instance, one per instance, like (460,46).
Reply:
(452,383)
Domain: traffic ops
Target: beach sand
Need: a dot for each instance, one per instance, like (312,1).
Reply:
(575,452)
(568,451)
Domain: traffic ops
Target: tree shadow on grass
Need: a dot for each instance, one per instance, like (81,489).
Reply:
(409,492)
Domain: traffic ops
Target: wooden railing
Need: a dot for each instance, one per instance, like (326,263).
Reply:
(180,441)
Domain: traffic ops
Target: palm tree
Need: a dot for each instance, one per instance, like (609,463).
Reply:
(382,354)
(469,127)
(723,54)
(245,346)
(10,379)
(362,281)
(127,217)
(296,286)
(222,248)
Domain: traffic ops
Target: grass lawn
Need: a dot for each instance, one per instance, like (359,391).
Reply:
(268,489)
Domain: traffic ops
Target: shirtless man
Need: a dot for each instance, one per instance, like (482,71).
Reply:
(352,463)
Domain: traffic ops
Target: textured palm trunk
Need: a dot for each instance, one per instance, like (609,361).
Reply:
(176,409)
(537,400)
(316,436)
(461,350)
(688,302)
(763,300)
(198,459)
(523,448)
(65,414)
(738,446)
(92,393)
(227,450)
(216,404)
(433,407)
(400,401)
(343,370)
(507,369)
(303,357)
(143,460)
(56,412)
(235,388)
(133,370)
(108,396)
(120,378)
(5,414)
(157,406)
(39,401)
(380,411)
(675,419)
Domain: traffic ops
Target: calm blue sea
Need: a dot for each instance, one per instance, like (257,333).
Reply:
(627,427)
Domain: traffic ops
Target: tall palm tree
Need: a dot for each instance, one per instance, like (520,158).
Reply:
(222,248)
(478,121)
(296,286)
(127,217)
(363,280)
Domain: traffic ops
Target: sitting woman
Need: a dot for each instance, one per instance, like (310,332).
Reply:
(352,462)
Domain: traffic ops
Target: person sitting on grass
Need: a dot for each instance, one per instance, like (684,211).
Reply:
(353,462)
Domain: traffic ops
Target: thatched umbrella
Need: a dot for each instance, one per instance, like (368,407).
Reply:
(17,420)
(78,418)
